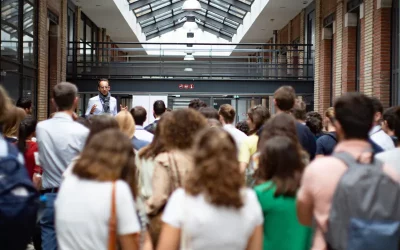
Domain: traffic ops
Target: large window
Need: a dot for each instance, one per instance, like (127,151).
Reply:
(19,48)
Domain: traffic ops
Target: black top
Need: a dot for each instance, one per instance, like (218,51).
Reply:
(307,139)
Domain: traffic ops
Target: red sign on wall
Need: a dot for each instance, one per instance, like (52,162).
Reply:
(186,86)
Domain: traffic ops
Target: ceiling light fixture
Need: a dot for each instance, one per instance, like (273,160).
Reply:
(190,24)
(189,57)
(191,5)
(188,70)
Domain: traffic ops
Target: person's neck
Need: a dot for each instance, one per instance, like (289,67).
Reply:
(68,112)
(278,111)
(331,128)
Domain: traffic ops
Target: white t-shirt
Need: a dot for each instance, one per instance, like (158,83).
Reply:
(391,157)
(381,138)
(83,210)
(208,227)
(237,135)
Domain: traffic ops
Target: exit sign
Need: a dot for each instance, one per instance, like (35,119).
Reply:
(186,86)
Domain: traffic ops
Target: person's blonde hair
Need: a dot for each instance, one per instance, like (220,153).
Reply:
(12,120)
(126,123)
(216,173)
(108,156)
(330,113)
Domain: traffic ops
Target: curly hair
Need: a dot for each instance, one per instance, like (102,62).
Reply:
(243,126)
(182,129)
(314,122)
(197,104)
(216,173)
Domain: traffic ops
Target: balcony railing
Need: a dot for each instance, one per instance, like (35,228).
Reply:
(211,61)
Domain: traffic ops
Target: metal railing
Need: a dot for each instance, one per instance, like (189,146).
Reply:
(212,61)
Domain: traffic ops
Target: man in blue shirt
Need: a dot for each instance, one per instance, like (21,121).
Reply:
(142,137)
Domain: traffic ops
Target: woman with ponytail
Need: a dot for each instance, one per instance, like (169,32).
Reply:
(29,148)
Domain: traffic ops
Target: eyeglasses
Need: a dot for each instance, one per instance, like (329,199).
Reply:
(104,87)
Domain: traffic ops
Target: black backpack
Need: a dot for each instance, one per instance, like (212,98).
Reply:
(19,202)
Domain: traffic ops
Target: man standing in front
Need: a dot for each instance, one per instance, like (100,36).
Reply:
(227,116)
(103,103)
(60,139)
(158,109)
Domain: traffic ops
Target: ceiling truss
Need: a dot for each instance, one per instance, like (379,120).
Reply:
(219,17)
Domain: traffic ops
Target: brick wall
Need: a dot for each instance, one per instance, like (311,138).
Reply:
(58,56)
(375,49)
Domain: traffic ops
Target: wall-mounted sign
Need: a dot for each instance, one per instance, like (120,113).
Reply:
(186,86)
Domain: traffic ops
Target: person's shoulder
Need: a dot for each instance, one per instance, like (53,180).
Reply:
(122,187)
(94,98)
(322,164)
(113,99)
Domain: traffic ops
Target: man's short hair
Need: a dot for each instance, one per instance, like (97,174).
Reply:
(197,104)
(159,107)
(299,110)
(314,122)
(209,113)
(377,105)
(227,112)
(139,114)
(103,80)
(355,113)
(64,95)
(285,98)
(24,103)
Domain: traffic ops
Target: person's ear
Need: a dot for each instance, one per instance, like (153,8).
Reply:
(76,102)
(54,103)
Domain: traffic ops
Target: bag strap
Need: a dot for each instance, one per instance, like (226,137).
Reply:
(112,228)
(173,169)
(350,161)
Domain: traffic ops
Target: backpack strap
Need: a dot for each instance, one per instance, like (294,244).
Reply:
(346,158)
(350,161)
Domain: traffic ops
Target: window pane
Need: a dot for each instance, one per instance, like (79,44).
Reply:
(9,29)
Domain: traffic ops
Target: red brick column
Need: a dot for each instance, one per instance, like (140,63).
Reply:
(362,49)
(382,53)
(349,59)
(325,71)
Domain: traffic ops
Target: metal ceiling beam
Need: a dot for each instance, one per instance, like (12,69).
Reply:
(159,33)
(221,13)
(164,22)
(215,23)
(238,4)
(216,33)
(160,11)
(140,3)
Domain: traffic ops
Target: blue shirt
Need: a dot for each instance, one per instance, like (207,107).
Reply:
(139,144)
(326,144)
(306,139)
(60,139)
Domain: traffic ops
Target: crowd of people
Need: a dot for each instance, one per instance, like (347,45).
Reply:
(196,178)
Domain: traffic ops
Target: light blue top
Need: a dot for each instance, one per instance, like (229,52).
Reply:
(60,139)
(143,135)
(99,106)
